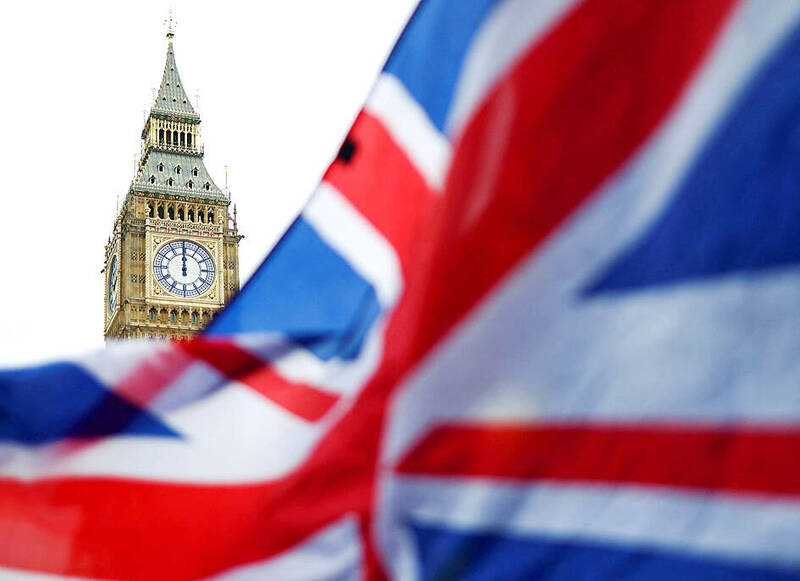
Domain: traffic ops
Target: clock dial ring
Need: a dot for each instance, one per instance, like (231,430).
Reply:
(184,268)
(112,284)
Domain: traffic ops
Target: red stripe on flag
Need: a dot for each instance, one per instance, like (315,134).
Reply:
(565,118)
(301,399)
(153,375)
(385,187)
(115,529)
(726,458)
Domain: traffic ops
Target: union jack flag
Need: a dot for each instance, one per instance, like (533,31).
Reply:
(539,321)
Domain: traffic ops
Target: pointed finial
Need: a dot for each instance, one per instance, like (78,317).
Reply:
(170,23)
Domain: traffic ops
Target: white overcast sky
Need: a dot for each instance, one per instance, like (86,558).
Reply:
(279,85)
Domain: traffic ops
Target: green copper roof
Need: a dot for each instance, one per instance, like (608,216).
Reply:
(171,96)
(159,167)
(163,170)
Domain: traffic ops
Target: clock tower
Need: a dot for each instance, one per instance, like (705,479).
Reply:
(172,260)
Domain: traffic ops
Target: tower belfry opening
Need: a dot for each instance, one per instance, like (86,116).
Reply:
(161,263)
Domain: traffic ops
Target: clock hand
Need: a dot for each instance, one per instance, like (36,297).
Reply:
(184,258)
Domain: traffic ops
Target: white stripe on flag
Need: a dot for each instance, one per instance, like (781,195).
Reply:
(119,359)
(7,574)
(356,240)
(334,553)
(410,127)
(737,528)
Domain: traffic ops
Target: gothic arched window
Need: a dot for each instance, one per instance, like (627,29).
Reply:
(190,184)
(160,167)
(200,216)
(180,214)
(207,186)
(183,139)
(188,139)
(161,136)
(210,217)
(169,137)
(171,213)
(175,137)
(178,169)
(173,316)
(160,211)
(152,179)
(195,317)
(195,171)
(191,215)
(151,210)
(169,181)
(152,315)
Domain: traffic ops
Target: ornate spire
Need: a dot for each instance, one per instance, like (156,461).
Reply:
(171,97)
(170,23)
(172,153)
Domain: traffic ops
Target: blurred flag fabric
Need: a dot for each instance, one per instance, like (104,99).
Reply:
(541,320)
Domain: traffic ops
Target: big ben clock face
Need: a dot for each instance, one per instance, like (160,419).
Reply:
(184,268)
(112,285)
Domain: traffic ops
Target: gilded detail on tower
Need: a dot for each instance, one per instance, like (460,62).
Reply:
(172,260)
